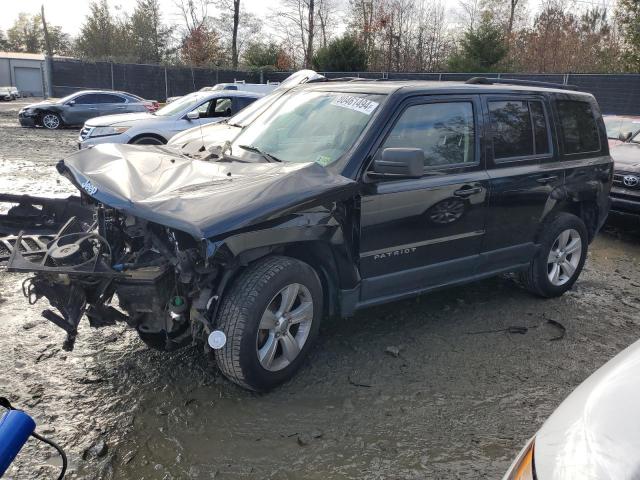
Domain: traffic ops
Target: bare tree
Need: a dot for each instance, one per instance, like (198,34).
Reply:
(295,22)
(194,13)
(310,32)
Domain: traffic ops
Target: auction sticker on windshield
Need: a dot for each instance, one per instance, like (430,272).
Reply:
(358,104)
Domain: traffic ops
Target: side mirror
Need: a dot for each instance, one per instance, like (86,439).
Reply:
(625,136)
(403,162)
(71,103)
(193,115)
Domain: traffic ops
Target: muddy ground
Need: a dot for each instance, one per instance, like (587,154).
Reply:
(456,402)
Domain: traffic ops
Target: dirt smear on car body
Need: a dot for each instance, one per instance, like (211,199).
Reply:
(406,390)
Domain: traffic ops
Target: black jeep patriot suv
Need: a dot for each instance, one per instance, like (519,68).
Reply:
(342,195)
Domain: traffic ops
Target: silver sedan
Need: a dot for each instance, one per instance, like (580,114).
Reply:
(193,110)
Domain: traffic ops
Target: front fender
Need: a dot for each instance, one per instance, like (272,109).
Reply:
(319,227)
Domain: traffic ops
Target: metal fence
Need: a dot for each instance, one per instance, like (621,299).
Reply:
(616,93)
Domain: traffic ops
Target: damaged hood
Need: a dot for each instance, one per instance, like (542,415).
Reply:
(626,156)
(201,198)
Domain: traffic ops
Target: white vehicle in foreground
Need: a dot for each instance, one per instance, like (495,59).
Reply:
(595,433)
(193,110)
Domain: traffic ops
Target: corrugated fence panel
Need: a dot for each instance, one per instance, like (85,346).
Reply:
(146,81)
(68,76)
(616,93)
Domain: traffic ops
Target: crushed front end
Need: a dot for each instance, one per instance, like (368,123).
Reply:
(155,273)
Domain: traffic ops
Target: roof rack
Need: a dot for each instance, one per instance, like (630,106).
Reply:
(513,81)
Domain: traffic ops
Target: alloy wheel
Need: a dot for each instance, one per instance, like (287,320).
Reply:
(284,327)
(564,257)
(51,121)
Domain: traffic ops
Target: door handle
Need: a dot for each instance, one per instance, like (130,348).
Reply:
(547,179)
(467,192)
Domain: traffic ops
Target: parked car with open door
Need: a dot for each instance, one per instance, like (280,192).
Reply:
(191,111)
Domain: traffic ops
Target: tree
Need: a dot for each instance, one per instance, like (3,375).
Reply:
(4,44)
(295,21)
(628,17)
(249,31)
(481,49)
(98,34)
(233,6)
(343,54)
(149,36)
(201,47)
(267,56)
(25,35)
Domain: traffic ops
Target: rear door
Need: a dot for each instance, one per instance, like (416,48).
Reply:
(523,170)
(111,104)
(421,233)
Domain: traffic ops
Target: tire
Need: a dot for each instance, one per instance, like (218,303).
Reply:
(542,278)
(147,140)
(254,301)
(51,120)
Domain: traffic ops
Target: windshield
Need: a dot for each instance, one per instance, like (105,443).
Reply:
(621,125)
(179,105)
(308,126)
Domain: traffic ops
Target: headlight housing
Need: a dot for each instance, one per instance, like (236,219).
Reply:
(523,467)
(105,131)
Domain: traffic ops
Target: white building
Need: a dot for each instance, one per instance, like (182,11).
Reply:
(26,71)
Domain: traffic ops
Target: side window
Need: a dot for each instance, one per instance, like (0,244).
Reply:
(223,108)
(519,129)
(204,109)
(444,131)
(89,99)
(111,99)
(578,125)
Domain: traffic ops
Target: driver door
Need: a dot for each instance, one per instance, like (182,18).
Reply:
(83,108)
(420,233)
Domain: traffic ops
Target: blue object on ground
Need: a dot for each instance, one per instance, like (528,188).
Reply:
(15,429)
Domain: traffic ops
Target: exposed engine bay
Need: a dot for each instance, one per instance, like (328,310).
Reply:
(114,267)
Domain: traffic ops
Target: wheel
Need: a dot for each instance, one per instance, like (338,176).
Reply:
(148,140)
(558,264)
(51,121)
(271,317)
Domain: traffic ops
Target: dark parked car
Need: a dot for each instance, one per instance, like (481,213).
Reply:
(625,192)
(341,196)
(78,107)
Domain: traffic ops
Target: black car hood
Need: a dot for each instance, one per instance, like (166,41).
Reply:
(201,198)
(626,157)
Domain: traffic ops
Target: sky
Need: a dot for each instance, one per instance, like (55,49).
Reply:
(70,14)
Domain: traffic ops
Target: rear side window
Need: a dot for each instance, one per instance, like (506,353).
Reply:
(111,99)
(88,99)
(579,127)
(519,129)
(444,131)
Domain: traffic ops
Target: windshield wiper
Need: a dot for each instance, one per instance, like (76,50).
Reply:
(267,156)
